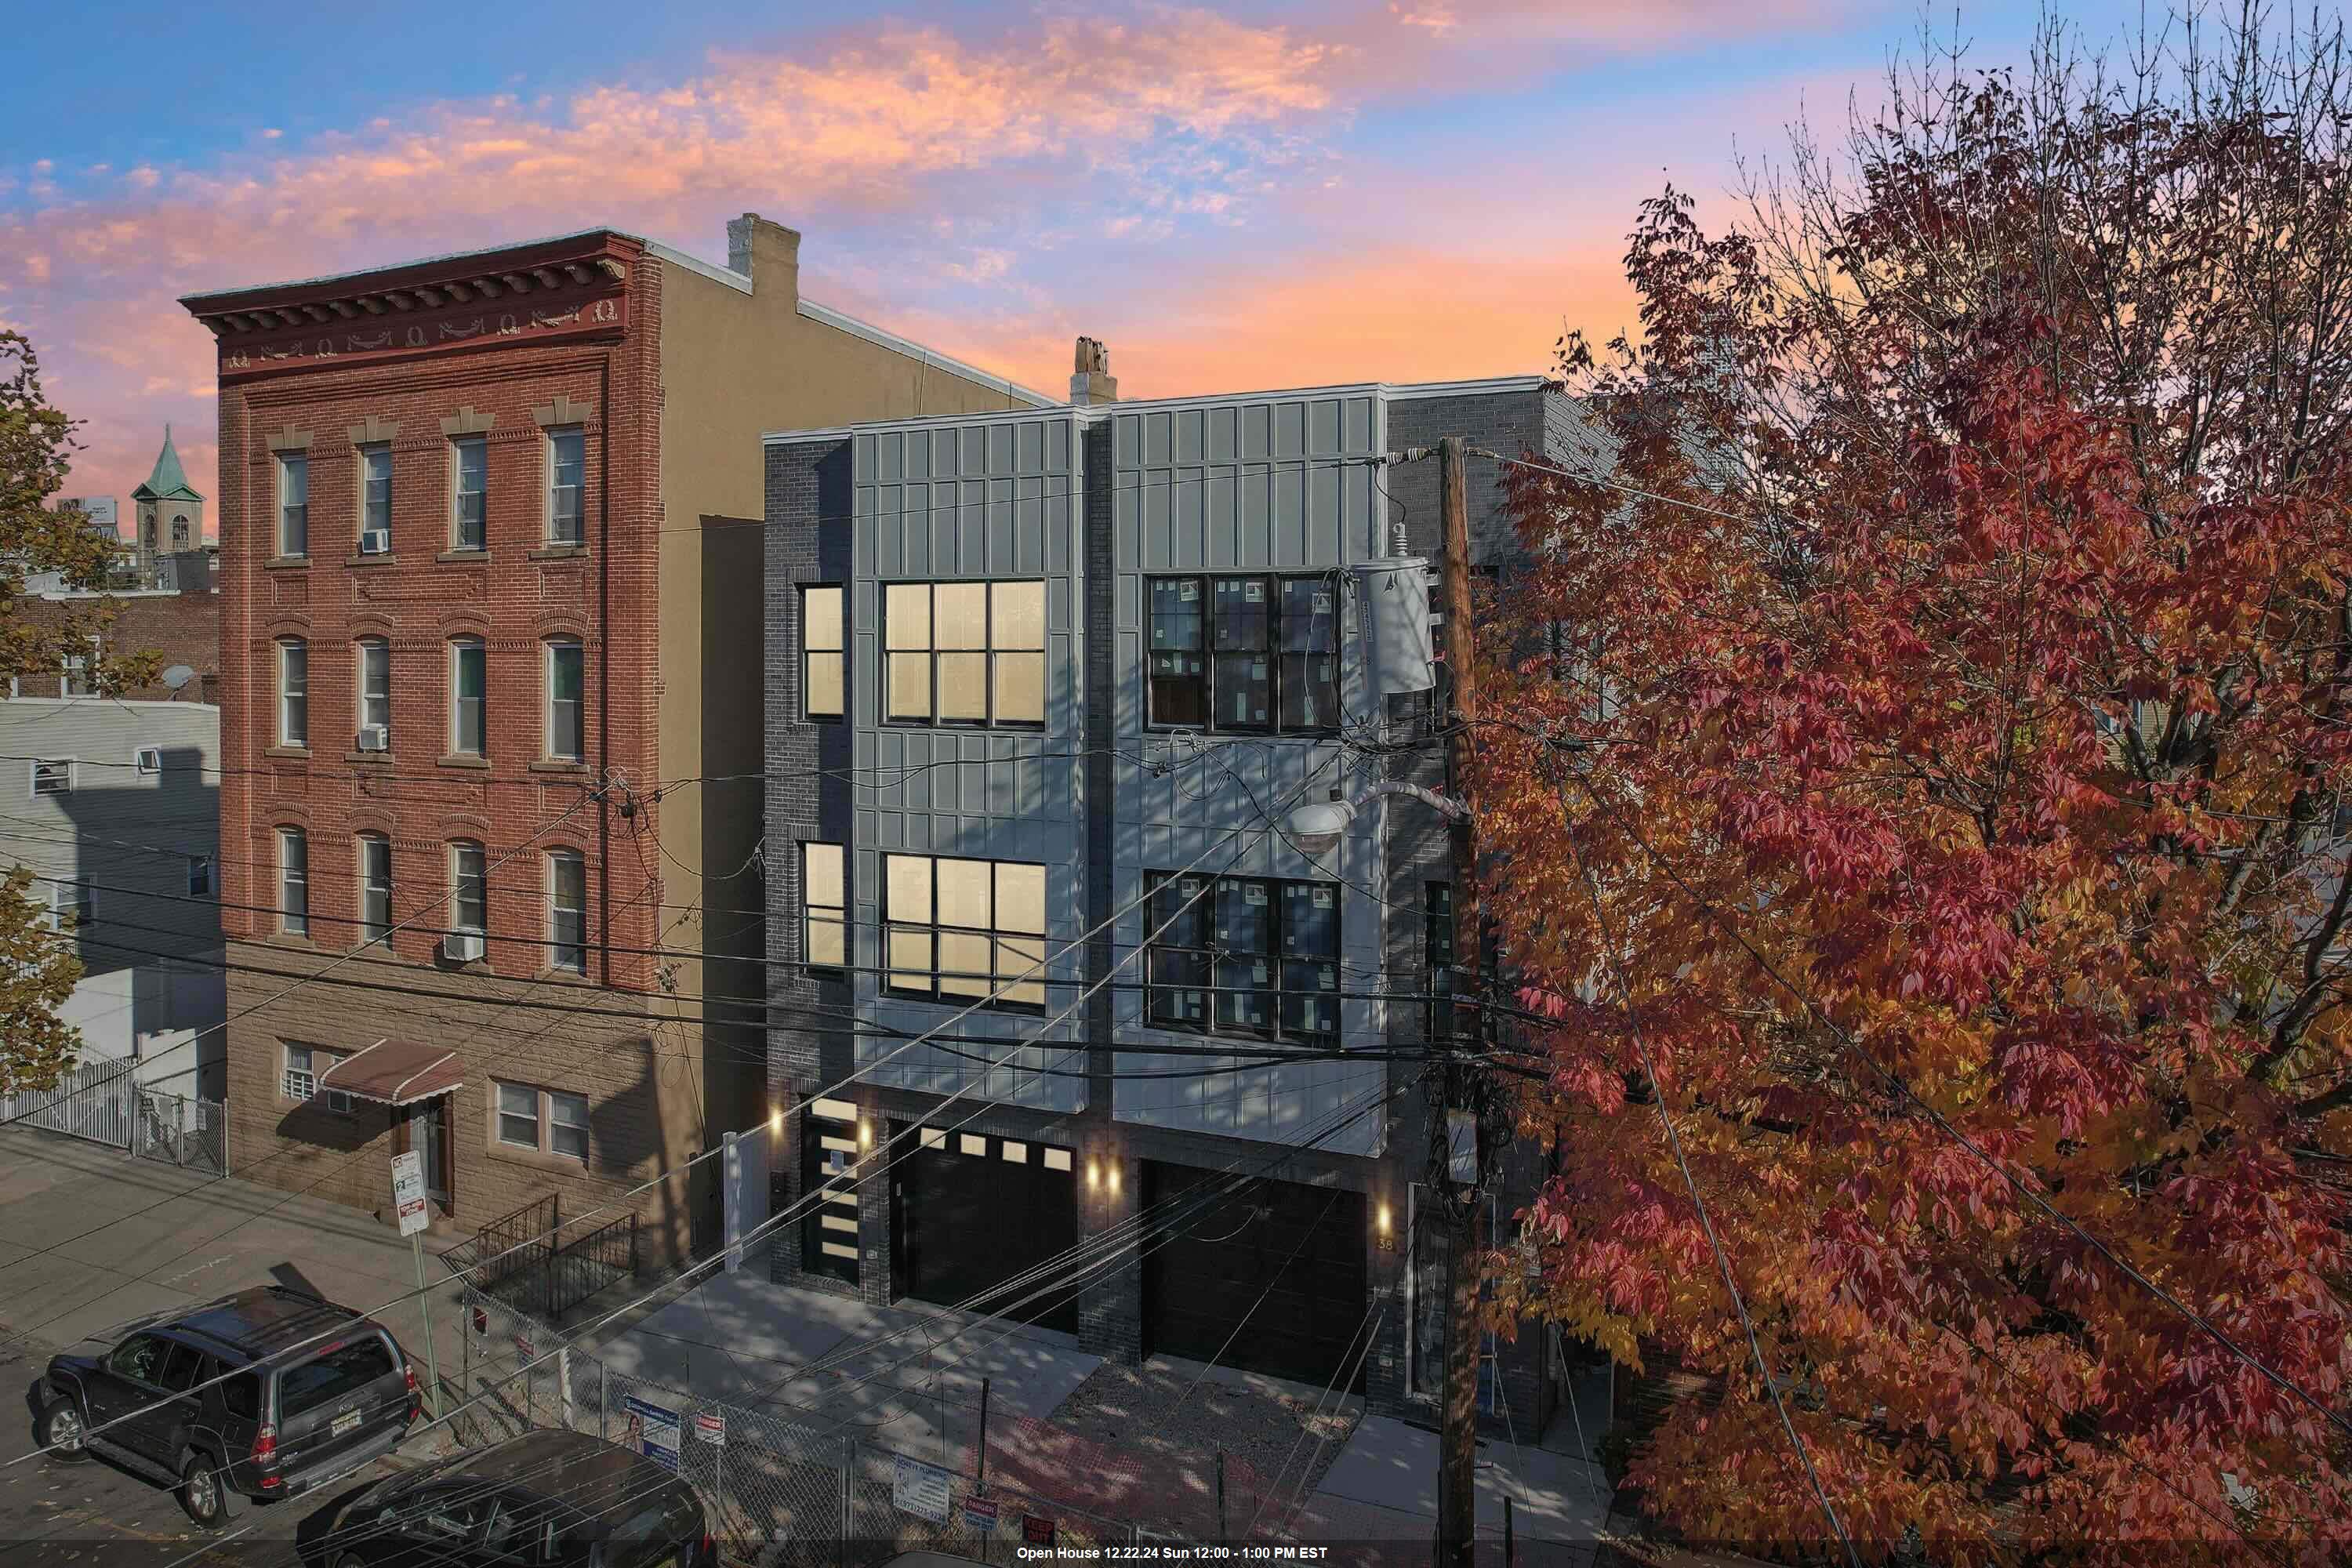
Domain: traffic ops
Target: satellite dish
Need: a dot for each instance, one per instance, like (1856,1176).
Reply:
(179,675)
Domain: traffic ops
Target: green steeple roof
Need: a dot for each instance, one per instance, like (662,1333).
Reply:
(169,481)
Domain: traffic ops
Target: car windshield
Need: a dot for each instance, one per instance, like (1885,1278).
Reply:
(338,1374)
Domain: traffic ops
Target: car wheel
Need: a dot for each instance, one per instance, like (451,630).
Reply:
(200,1492)
(60,1430)
(351,1560)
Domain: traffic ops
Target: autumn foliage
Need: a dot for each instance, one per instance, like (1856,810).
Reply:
(1947,707)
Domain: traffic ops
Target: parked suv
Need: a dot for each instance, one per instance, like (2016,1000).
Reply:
(263,1394)
(549,1498)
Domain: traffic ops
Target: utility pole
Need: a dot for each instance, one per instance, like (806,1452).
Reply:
(1459,1206)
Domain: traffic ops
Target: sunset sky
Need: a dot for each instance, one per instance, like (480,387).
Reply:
(1230,197)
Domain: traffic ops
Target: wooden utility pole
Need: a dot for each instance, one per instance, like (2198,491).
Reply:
(1459,1206)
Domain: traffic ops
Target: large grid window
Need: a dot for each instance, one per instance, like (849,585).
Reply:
(469,493)
(294,504)
(964,653)
(375,490)
(824,905)
(293,881)
(293,692)
(823,693)
(376,888)
(567,911)
(960,930)
(469,889)
(567,726)
(468,681)
(1254,654)
(376,686)
(1244,955)
(567,462)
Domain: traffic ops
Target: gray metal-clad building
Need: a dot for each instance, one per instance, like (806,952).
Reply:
(1043,687)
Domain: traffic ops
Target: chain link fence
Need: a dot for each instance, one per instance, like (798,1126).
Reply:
(177,1130)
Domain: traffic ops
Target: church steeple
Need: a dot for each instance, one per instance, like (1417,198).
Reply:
(169,481)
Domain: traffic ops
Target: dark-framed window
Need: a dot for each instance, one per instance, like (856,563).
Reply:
(1243,955)
(963,930)
(964,653)
(1437,951)
(824,684)
(1253,652)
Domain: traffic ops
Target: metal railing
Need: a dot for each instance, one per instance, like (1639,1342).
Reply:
(97,1100)
(531,1267)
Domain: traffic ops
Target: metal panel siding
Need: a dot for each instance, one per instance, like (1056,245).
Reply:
(983,500)
(1270,484)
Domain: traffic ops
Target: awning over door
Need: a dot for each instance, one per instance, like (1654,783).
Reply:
(395,1073)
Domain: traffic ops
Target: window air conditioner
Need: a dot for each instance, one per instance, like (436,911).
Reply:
(375,738)
(375,542)
(462,947)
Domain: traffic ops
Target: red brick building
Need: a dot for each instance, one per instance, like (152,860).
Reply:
(490,707)
(178,628)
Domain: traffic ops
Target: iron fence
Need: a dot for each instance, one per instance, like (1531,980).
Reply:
(523,1260)
(96,1100)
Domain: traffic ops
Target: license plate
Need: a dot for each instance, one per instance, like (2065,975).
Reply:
(348,1421)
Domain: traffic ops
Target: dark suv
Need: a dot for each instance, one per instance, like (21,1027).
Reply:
(265,1393)
(549,1498)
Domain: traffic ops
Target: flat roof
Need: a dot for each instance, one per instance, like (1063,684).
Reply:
(1088,412)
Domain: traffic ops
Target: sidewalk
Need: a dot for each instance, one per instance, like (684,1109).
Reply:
(179,1238)
(1384,1484)
(741,1340)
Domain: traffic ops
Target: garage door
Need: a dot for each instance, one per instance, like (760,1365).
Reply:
(972,1213)
(1282,1263)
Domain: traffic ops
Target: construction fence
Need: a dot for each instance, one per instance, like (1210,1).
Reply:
(786,1493)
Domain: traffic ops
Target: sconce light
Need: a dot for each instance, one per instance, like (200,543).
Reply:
(1114,1178)
(865,1135)
(1094,1174)
(776,1122)
(1384,1219)
(1386,1240)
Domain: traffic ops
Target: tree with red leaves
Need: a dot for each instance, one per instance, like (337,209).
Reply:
(1931,795)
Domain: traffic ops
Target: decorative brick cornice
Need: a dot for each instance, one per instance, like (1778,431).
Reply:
(375,432)
(466,422)
(290,440)
(564,410)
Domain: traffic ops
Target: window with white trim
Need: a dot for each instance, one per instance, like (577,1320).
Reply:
(1243,955)
(825,906)
(468,688)
(293,692)
(53,775)
(959,930)
(376,888)
(304,1067)
(80,678)
(375,489)
(469,889)
(567,727)
(149,761)
(567,911)
(294,504)
(545,1121)
(469,498)
(567,465)
(70,905)
(293,881)
(964,653)
(375,685)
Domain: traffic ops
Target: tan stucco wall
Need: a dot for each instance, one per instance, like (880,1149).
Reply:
(734,366)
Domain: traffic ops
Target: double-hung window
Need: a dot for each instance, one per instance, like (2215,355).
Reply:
(376,686)
(824,905)
(821,686)
(294,504)
(964,653)
(567,732)
(469,677)
(566,463)
(1254,654)
(376,494)
(469,493)
(293,881)
(70,905)
(53,775)
(293,692)
(567,911)
(1244,955)
(469,889)
(304,1067)
(80,677)
(960,930)
(376,888)
(546,1119)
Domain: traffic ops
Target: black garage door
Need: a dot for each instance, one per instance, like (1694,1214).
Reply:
(1281,1262)
(971,1212)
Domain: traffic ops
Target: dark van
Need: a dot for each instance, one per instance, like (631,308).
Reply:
(263,1394)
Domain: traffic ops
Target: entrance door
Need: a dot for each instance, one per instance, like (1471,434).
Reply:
(428,1136)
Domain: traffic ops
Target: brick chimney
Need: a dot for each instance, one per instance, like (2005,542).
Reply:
(1090,378)
(767,253)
